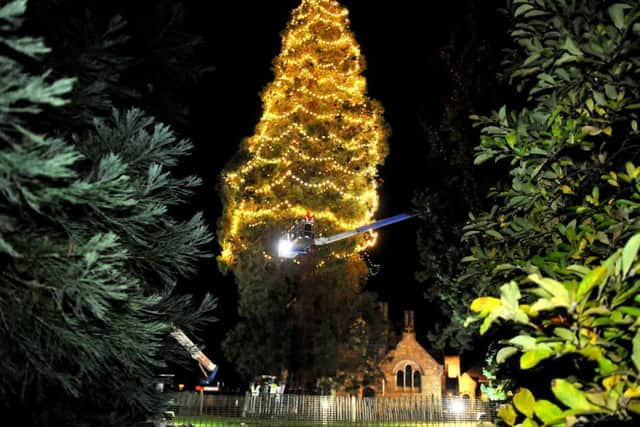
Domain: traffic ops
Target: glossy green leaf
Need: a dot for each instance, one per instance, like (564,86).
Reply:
(548,78)
(555,288)
(531,59)
(599,98)
(565,334)
(505,352)
(571,396)
(624,296)
(591,280)
(597,311)
(507,414)
(510,294)
(601,236)
(547,411)
(481,304)
(509,297)
(597,397)
(631,169)
(520,10)
(525,342)
(625,309)
(634,406)
(531,358)
(571,47)
(629,253)
(610,91)
(6,248)
(536,13)
(616,12)
(486,323)
(481,158)
(503,267)
(494,233)
(635,356)
(580,270)
(543,304)
(524,402)
(593,352)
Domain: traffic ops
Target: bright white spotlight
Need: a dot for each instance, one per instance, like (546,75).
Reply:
(324,404)
(457,406)
(284,249)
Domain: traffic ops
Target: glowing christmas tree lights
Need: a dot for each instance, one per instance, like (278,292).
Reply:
(317,145)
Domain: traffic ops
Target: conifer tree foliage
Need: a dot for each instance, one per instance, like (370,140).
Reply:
(316,148)
(89,252)
(555,260)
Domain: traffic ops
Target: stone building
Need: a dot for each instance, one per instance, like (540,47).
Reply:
(408,369)
(456,382)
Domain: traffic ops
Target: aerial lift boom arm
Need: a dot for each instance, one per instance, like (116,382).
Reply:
(300,240)
(209,368)
(346,234)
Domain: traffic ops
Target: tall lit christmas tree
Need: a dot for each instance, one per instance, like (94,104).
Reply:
(318,143)
(316,148)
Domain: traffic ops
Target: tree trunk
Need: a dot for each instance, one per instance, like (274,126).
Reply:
(303,348)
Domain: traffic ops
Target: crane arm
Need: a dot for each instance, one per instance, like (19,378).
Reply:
(197,354)
(346,234)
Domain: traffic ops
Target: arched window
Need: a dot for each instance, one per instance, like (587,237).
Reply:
(400,379)
(408,376)
(417,380)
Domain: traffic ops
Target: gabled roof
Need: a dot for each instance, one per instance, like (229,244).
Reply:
(408,348)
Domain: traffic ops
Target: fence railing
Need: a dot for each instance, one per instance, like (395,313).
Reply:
(335,409)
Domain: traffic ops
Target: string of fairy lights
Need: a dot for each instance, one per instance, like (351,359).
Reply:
(329,83)
(318,133)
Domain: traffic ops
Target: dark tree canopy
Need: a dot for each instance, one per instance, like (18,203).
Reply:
(468,64)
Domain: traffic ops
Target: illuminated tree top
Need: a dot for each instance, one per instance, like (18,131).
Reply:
(318,143)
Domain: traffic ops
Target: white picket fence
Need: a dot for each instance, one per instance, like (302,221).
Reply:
(328,409)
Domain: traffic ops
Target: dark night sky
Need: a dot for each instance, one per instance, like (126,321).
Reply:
(400,44)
